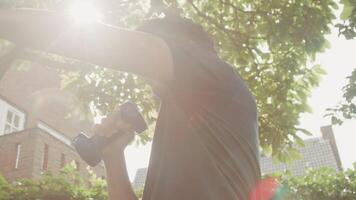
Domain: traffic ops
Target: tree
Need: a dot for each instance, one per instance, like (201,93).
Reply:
(270,43)
(66,185)
(347,108)
(323,183)
(348,27)
(4,189)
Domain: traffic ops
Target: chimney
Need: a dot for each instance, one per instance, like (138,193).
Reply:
(328,134)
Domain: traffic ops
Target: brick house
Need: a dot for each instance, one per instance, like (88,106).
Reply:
(35,130)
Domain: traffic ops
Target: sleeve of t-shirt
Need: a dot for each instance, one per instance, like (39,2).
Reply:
(198,72)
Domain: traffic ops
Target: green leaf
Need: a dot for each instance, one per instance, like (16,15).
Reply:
(347,11)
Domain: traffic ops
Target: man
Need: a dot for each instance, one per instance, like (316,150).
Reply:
(205,145)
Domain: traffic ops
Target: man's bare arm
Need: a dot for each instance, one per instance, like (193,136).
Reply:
(96,43)
(119,185)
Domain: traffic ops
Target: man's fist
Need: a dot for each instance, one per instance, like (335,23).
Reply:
(111,124)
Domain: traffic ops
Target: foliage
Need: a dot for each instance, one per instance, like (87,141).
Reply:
(139,192)
(348,27)
(67,185)
(270,43)
(5,187)
(347,108)
(323,183)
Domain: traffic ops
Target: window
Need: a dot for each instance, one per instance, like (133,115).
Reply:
(12,122)
(18,152)
(11,119)
(45,157)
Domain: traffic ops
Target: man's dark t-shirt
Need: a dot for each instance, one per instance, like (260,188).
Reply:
(205,145)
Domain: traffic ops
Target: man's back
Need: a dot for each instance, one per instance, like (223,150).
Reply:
(205,145)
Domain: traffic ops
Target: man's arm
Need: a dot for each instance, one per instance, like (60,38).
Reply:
(119,185)
(96,43)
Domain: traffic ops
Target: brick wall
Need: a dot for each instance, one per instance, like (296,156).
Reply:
(8,155)
(36,91)
(30,165)
(55,149)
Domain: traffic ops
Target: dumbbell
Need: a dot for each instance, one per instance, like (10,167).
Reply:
(89,148)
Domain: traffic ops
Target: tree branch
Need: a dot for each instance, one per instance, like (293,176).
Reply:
(215,23)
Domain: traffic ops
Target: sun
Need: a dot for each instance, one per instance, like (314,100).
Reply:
(85,12)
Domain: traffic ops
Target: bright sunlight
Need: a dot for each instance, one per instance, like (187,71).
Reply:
(85,12)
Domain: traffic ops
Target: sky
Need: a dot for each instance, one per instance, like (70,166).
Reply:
(338,61)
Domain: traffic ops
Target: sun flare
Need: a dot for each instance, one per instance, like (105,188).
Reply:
(85,12)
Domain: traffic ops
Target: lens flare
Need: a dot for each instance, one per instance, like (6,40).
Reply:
(268,189)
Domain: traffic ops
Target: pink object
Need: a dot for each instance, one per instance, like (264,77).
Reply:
(265,189)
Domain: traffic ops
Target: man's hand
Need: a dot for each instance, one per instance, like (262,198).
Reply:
(110,125)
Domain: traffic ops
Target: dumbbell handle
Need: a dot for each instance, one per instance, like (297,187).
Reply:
(90,149)
(102,141)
